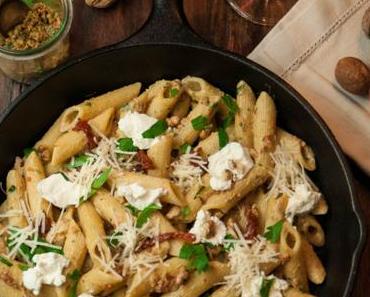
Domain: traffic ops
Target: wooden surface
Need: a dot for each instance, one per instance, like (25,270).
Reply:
(214,21)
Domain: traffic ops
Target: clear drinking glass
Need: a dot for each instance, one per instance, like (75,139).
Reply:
(262,12)
(31,63)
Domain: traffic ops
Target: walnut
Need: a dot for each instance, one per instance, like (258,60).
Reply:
(99,3)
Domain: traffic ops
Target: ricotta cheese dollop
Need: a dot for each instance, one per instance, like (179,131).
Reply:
(138,196)
(59,191)
(134,124)
(48,271)
(302,201)
(228,165)
(208,228)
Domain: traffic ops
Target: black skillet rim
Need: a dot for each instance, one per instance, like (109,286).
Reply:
(256,67)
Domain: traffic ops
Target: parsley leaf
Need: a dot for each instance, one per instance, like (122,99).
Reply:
(228,246)
(266,287)
(74,277)
(101,179)
(228,120)
(199,123)
(273,232)
(23,267)
(78,161)
(126,145)
(27,151)
(223,138)
(11,189)
(134,211)
(185,148)
(5,261)
(196,255)
(185,211)
(144,215)
(174,92)
(230,103)
(157,129)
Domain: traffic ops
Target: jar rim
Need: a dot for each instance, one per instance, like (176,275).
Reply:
(50,43)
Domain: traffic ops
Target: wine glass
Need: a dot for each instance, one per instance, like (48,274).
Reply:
(262,12)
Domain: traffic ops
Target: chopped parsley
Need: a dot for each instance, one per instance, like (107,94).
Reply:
(185,211)
(11,189)
(5,261)
(134,211)
(266,287)
(185,148)
(174,92)
(157,129)
(74,277)
(126,145)
(23,267)
(145,214)
(196,255)
(232,108)
(199,123)
(97,184)
(228,246)
(78,161)
(273,232)
(223,138)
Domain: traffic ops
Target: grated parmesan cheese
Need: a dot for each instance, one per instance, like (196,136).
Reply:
(188,169)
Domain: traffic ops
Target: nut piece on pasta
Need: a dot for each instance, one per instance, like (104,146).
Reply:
(353,75)
(99,3)
(366,22)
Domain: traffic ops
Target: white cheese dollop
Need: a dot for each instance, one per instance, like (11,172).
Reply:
(255,284)
(208,228)
(48,270)
(59,191)
(134,124)
(138,196)
(302,201)
(228,165)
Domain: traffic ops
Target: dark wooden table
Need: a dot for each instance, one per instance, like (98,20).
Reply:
(216,23)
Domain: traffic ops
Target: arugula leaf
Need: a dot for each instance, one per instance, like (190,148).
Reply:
(185,211)
(157,129)
(27,151)
(11,189)
(223,138)
(229,245)
(5,261)
(230,103)
(273,232)
(74,277)
(196,255)
(266,287)
(134,211)
(144,215)
(185,148)
(78,161)
(126,145)
(199,123)
(174,92)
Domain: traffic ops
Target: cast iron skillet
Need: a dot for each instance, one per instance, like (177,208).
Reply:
(166,48)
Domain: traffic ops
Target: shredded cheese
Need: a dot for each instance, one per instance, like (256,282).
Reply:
(188,169)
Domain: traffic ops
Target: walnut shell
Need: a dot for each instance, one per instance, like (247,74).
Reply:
(353,75)
(366,22)
(99,3)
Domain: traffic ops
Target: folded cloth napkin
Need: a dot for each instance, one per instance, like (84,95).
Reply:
(304,47)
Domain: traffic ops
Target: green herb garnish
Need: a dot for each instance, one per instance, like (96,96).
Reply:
(185,148)
(11,189)
(196,255)
(266,287)
(157,129)
(126,145)
(227,122)
(174,92)
(185,211)
(27,151)
(230,103)
(229,245)
(78,161)
(5,261)
(74,277)
(23,267)
(273,232)
(199,123)
(223,138)
(145,214)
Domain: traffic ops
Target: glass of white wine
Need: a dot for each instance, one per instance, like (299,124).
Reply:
(262,12)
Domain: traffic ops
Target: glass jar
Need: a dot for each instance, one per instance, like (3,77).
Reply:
(22,65)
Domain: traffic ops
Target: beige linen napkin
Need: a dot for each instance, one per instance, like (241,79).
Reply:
(304,48)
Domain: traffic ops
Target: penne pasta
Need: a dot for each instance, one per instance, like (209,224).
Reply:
(160,154)
(102,124)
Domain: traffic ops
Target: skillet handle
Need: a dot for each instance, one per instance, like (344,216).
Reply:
(166,24)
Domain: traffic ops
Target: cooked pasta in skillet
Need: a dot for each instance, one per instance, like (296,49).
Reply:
(178,191)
